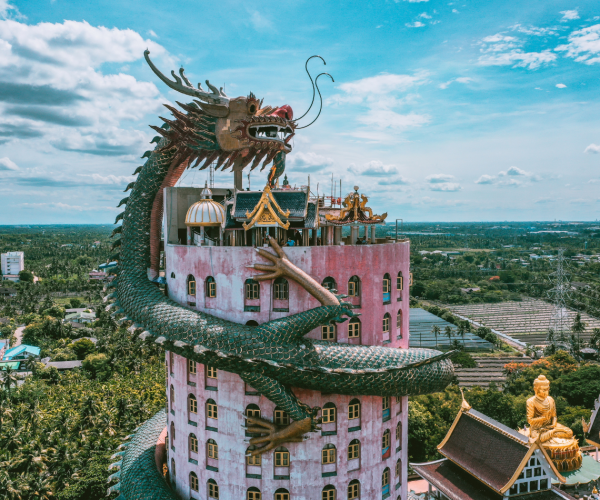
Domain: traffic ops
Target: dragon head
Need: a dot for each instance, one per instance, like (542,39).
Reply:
(233,132)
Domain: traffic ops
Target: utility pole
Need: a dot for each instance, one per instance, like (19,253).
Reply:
(559,295)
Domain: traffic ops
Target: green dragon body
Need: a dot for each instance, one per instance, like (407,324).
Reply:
(275,356)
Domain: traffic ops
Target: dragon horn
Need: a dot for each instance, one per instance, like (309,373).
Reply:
(185,87)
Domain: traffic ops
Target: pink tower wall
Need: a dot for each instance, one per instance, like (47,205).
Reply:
(228,266)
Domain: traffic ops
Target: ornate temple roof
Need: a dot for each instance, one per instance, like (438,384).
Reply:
(287,208)
(355,211)
(457,484)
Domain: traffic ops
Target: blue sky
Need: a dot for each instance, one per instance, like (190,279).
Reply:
(440,111)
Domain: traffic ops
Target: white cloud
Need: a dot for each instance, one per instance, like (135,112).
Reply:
(412,1)
(534,30)
(65,206)
(593,149)
(52,85)
(7,164)
(561,86)
(416,24)
(569,15)
(454,11)
(381,96)
(486,179)
(424,15)
(461,79)
(512,177)
(110,179)
(375,168)
(503,50)
(152,34)
(8,10)
(446,186)
(260,22)
(438,178)
(309,162)
(584,45)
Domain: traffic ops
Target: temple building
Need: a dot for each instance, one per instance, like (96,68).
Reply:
(485,460)
(360,451)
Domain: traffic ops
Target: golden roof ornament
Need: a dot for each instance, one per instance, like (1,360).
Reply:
(355,211)
(267,212)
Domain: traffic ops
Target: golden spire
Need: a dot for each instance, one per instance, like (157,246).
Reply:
(266,211)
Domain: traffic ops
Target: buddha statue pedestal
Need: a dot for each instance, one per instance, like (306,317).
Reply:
(556,439)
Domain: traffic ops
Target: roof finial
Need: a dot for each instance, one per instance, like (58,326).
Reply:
(464,406)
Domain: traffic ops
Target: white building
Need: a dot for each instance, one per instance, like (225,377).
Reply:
(13,263)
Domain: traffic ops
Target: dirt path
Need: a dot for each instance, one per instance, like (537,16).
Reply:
(18,335)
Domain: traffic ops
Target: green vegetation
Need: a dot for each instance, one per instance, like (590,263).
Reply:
(574,387)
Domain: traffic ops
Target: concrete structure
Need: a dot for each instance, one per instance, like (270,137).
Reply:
(12,263)
(363,451)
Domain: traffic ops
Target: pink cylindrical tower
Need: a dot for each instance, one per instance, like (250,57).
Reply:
(361,450)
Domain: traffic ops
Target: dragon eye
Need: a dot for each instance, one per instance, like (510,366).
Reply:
(252,108)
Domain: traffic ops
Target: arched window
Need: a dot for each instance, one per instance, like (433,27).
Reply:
(253,493)
(253,411)
(385,444)
(282,494)
(328,493)
(281,417)
(212,414)
(281,289)
(172,362)
(399,436)
(400,284)
(252,289)
(354,287)
(385,481)
(211,287)
(172,275)
(399,469)
(354,449)
(354,327)
(387,288)
(173,470)
(191,285)
(213,489)
(172,398)
(330,284)
(212,449)
(251,323)
(192,405)
(386,326)
(399,324)
(253,462)
(329,413)
(354,410)
(354,490)
(328,454)
(193,443)
(193,481)
(386,402)
(282,457)
(172,435)
(329,332)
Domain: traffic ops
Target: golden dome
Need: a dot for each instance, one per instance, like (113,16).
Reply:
(205,212)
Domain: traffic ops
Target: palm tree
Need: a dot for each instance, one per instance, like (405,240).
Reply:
(11,489)
(436,330)
(10,379)
(449,332)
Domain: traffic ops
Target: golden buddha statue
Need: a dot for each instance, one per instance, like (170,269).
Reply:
(556,438)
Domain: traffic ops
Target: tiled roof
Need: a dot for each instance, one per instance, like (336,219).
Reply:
(457,484)
(484,449)
(294,201)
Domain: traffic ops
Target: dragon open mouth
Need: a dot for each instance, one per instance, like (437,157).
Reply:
(271,132)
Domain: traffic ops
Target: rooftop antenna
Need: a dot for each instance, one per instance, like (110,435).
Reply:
(211,175)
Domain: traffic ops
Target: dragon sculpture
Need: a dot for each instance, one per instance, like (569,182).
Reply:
(275,356)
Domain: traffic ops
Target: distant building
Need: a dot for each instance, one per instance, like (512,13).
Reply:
(12,263)
(6,291)
(81,317)
(97,275)
(11,277)
(22,351)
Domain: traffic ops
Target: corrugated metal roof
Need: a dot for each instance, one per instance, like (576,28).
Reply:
(15,351)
